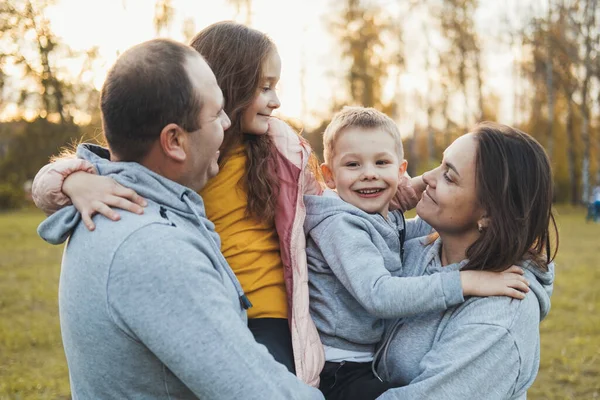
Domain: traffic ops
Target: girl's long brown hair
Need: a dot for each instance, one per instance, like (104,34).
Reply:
(513,181)
(236,54)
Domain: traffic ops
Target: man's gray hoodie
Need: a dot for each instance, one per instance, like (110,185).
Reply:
(356,273)
(150,309)
(485,348)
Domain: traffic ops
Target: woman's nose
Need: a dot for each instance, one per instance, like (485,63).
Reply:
(429,177)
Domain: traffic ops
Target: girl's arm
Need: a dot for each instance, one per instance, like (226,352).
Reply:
(298,151)
(72,180)
(408,194)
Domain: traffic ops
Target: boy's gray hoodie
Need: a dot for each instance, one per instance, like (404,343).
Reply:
(355,273)
(486,348)
(150,309)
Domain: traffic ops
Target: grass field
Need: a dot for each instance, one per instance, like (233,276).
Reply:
(32,363)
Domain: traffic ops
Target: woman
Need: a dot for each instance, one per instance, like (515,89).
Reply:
(490,204)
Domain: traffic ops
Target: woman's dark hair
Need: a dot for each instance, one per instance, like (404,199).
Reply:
(513,180)
(236,55)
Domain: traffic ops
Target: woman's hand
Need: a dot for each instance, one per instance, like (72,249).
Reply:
(93,194)
(509,283)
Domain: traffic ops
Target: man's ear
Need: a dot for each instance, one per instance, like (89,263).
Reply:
(402,169)
(328,176)
(173,141)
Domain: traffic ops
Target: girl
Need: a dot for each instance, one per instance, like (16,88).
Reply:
(255,201)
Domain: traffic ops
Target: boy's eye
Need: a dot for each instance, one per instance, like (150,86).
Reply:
(382,162)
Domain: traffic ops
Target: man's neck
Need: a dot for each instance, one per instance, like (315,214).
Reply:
(454,247)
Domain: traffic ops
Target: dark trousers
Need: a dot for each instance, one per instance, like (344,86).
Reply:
(274,334)
(351,381)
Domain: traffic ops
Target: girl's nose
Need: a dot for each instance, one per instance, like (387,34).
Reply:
(274,103)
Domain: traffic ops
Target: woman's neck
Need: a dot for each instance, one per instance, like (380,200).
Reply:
(454,247)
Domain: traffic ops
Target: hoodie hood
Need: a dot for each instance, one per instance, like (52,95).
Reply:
(148,184)
(541,282)
(319,208)
(169,195)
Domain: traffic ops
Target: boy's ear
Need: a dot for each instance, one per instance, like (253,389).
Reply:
(402,169)
(328,176)
(172,141)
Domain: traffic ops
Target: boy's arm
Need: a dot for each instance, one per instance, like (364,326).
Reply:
(472,361)
(358,264)
(180,309)
(416,228)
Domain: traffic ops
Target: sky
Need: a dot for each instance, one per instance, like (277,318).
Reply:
(300,31)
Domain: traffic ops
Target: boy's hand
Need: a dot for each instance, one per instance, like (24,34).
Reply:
(509,283)
(93,194)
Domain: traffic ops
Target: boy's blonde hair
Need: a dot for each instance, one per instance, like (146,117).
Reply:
(359,117)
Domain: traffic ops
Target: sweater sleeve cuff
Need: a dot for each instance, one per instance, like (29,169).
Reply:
(452,286)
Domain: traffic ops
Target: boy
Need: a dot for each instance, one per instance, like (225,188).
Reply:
(354,251)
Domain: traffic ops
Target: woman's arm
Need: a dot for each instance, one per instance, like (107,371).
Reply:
(74,180)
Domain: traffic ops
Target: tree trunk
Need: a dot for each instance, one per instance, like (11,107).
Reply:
(549,83)
(571,152)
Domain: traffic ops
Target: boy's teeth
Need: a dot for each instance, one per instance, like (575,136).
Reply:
(369,191)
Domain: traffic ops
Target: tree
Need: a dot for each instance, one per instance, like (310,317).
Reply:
(30,44)
(360,28)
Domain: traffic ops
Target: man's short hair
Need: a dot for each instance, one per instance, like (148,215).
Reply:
(147,89)
(359,117)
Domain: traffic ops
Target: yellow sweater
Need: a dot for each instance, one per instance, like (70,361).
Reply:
(250,247)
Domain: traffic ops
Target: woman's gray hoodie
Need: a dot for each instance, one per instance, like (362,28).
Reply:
(150,309)
(485,348)
(356,273)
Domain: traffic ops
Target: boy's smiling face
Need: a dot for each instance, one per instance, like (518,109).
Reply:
(365,169)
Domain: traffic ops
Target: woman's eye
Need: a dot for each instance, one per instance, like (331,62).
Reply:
(447,177)
(266,89)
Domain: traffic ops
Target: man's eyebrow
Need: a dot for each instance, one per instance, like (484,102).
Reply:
(452,167)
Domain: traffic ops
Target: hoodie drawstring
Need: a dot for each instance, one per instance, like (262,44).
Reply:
(244,301)
(383,351)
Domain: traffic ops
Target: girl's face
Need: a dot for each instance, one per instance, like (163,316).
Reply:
(449,203)
(255,119)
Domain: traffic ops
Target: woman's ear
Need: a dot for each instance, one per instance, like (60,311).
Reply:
(172,141)
(483,223)
(328,176)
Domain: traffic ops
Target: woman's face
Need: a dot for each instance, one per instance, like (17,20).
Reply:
(255,119)
(449,203)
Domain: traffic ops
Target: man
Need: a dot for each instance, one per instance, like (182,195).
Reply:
(149,307)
